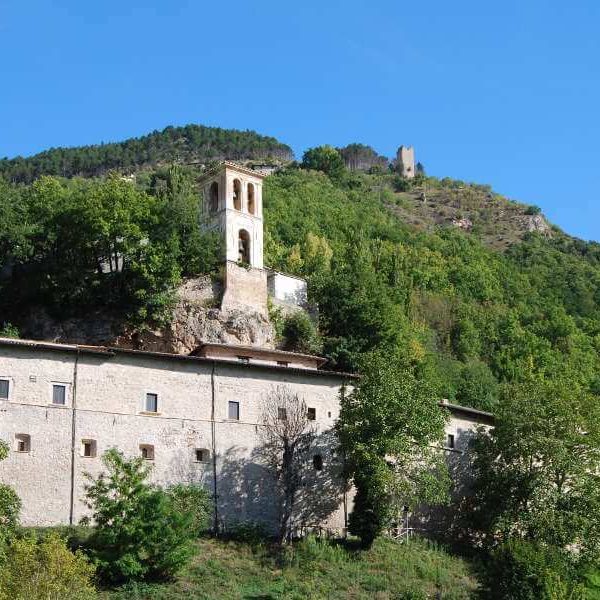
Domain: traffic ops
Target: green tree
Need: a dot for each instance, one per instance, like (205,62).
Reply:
(477,387)
(326,159)
(387,428)
(139,534)
(10,507)
(300,334)
(536,471)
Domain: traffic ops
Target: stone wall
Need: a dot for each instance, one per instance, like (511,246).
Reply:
(405,160)
(245,289)
(106,406)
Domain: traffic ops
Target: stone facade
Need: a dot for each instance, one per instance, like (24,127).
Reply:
(104,407)
(191,435)
(405,160)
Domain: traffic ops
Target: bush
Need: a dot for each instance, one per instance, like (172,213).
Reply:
(140,534)
(533,210)
(326,159)
(47,570)
(300,334)
(195,502)
(522,570)
(10,507)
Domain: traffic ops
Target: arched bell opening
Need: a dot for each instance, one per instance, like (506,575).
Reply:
(237,194)
(251,200)
(244,247)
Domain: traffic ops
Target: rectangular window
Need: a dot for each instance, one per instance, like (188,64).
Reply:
(59,394)
(234,411)
(88,448)
(22,442)
(151,403)
(147,451)
(311,414)
(281,413)
(202,455)
(450,441)
(4,389)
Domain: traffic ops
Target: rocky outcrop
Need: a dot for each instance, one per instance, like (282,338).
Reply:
(463,223)
(196,319)
(537,223)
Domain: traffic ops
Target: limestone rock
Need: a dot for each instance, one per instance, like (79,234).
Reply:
(195,320)
(464,223)
(537,223)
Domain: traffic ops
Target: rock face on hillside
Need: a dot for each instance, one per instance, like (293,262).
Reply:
(195,320)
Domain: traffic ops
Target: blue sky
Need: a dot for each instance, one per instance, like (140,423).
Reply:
(505,93)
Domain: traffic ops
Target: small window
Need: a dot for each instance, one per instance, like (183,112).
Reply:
(281,413)
(234,411)
(22,442)
(4,389)
(202,455)
(329,414)
(151,403)
(59,394)
(147,451)
(311,414)
(244,359)
(318,462)
(88,448)
(283,363)
(450,440)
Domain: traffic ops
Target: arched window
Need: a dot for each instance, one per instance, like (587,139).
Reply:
(237,194)
(214,197)
(244,247)
(251,203)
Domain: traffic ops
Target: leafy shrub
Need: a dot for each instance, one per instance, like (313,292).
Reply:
(139,532)
(46,569)
(300,334)
(193,501)
(533,210)
(9,330)
(10,506)
(326,159)
(523,570)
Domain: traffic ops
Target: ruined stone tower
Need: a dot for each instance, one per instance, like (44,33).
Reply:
(405,160)
(232,204)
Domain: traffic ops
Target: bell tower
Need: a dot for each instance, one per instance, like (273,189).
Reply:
(232,203)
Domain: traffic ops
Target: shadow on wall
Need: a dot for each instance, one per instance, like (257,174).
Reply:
(446,523)
(248,490)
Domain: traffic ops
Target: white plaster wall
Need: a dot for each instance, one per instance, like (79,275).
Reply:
(109,410)
(288,289)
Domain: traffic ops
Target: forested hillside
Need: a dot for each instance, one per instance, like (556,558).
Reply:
(468,316)
(193,143)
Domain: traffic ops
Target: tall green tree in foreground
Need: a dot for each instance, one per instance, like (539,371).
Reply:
(388,427)
(537,473)
(139,533)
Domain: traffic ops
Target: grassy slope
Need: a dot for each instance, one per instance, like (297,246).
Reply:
(232,570)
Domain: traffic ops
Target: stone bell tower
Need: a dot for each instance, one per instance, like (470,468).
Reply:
(232,203)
